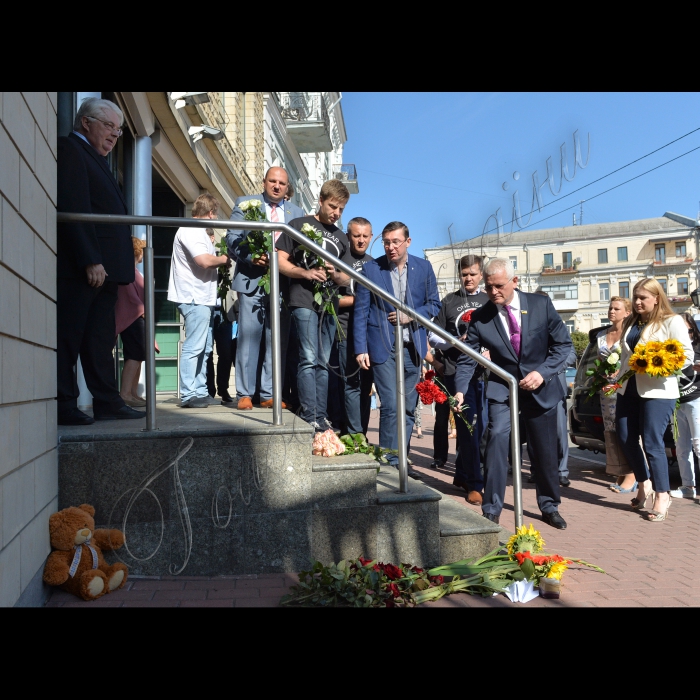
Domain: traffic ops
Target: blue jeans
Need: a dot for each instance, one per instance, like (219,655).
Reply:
(649,418)
(195,350)
(315,332)
(688,439)
(358,383)
(385,381)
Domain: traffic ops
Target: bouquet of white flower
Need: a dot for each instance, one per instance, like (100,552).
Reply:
(259,242)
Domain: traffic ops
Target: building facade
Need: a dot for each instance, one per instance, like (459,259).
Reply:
(175,147)
(582,267)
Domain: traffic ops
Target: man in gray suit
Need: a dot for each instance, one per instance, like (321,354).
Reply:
(254,303)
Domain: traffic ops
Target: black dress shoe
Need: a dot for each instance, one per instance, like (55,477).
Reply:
(490,516)
(74,416)
(461,485)
(564,481)
(225,397)
(555,520)
(437,464)
(123,413)
(531,478)
(414,474)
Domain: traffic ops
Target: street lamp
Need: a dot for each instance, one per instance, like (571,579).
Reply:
(695,296)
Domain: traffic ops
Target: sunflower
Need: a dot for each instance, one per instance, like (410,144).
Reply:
(639,363)
(557,570)
(674,347)
(658,364)
(525,540)
(653,346)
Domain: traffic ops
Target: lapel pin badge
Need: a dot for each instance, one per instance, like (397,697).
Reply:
(523,312)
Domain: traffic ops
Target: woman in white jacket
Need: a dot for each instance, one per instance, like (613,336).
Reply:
(645,404)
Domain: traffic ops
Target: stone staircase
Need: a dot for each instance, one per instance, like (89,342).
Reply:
(248,497)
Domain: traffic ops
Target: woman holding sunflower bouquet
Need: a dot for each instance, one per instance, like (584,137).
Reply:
(647,400)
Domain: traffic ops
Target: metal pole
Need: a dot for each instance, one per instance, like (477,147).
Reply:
(276,338)
(149,304)
(515,448)
(400,405)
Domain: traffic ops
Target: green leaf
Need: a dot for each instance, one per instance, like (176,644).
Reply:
(528,568)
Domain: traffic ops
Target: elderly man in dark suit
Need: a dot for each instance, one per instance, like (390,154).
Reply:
(93,260)
(254,331)
(527,338)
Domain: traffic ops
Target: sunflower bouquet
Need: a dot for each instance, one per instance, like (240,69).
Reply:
(655,358)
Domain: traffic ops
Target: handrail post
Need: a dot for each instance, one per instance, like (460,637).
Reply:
(515,448)
(149,306)
(275,327)
(400,405)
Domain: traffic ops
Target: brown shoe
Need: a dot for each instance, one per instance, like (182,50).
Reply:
(475,498)
(268,404)
(245,404)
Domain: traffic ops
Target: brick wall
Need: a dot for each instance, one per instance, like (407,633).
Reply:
(28,456)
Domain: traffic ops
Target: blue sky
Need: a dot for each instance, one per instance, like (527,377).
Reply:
(466,145)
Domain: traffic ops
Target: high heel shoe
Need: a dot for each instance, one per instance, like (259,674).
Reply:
(637,504)
(656,516)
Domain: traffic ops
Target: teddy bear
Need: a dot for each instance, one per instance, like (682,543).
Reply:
(76,565)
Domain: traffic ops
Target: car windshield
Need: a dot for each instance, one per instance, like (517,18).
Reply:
(589,357)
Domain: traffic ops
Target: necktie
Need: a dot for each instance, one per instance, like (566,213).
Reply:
(514,331)
(274,216)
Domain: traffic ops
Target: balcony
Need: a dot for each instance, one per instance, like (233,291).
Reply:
(559,270)
(347,174)
(682,299)
(673,262)
(308,123)
(565,304)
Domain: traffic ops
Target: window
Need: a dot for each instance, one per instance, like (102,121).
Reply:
(566,261)
(625,290)
(680,249)
(622,254)
(561,291)
(660,253)
(605,322)
(604,292)
(682,285)
(602,255)
(662,282)
(549,260)
(514,260)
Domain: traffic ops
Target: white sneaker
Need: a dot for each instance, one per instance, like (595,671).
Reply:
(683,492)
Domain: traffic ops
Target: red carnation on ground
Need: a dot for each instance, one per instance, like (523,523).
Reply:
(364,562)
(438,580)
(395,591)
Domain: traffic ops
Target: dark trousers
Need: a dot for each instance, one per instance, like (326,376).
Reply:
(468,459)
(441,442)
(226,353)
(86,327)
(357,383)
(541,429)
(649,419)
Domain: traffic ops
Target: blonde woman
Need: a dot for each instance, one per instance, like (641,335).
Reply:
(645,404)
(609,342)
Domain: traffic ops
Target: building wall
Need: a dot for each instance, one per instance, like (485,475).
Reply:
(28,455)
(592,282)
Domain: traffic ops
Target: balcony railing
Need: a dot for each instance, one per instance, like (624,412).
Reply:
(307,120)
(347,174)
(559,270)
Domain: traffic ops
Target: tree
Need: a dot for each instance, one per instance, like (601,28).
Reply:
(580,341)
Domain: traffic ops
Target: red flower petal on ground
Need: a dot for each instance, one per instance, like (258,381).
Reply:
(395,591)
(364,562)
(437,580)
(522,556)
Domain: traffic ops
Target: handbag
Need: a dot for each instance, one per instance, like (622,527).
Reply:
(615,461)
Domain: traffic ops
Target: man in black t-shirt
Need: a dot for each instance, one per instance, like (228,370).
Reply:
(452,319)
(357,383)
(313,299)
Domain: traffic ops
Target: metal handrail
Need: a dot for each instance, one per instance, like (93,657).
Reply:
(299,237)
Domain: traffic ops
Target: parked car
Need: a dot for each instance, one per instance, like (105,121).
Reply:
(585,418)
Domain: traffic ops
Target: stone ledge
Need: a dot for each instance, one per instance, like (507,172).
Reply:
(388,489)
(342,463)
(457,520)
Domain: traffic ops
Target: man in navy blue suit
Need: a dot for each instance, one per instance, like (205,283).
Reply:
(527,338)
(412,281)
(92,261)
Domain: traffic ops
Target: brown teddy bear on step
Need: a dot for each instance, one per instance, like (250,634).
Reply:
(77,564)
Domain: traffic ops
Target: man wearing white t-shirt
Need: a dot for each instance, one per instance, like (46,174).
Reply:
(192,287)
